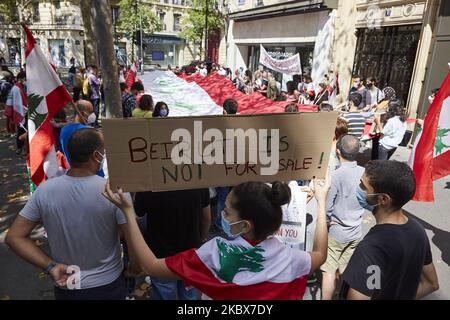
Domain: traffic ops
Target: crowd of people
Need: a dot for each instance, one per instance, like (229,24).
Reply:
(114,237)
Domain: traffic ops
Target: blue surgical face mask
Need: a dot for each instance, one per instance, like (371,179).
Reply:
(361,195)
(226,226)
(163,112)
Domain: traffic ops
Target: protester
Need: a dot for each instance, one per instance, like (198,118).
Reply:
(6,84)
(322,96)
(145,109)
(84,118)
(58,122)
(137,90)
(431,98)
(376,95)
(272,88)
(254,264)
(355,118)
(176,221)
(78,84)
(83,228)
(344,214)
(358,87)
(310,92)
(128,101)
(94,92)
(292,95)
(161,110)
(230,107)
(393,132)
(16,111)
(394,259)
(291,108)
(340,131)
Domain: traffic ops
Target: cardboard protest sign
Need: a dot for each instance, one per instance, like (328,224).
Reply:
(145,154)
(293,228)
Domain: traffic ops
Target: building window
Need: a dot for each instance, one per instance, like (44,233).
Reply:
(176,22)
(165,1)
(259,3)
(15,15)
(240,2)
(176,2)
(115,14)
(57,5)
(36,16)
(161,16)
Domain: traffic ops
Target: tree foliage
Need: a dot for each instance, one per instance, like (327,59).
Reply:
(194,22)
(133,13)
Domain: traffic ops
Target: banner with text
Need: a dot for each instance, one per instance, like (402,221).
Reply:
(290,66)
(144,154)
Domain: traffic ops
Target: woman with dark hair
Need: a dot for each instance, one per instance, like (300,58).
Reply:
(322,96)
(161,110)
(292,94)
(145,109)
(251,263)
(393,132)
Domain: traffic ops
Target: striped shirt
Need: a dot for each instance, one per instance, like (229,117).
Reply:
(356,123)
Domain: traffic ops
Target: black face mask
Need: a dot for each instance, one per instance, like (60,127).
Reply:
(370,85)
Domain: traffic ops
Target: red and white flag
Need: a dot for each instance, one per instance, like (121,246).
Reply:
(430,158)
(236,270)
(131,76)
(46,96)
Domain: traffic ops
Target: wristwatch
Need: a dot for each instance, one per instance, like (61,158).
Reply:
(50,266)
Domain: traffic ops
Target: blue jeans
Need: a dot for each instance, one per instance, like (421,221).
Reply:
(222,193)
(96,105)
(172,290)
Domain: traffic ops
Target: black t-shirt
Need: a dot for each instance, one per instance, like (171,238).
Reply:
(173,219)
(398,253)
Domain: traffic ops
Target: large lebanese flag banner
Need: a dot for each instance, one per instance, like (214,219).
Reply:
(46,96)
(236,270)
(430,158)
(199,96)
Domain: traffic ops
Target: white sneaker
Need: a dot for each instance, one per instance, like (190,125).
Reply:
(148,280)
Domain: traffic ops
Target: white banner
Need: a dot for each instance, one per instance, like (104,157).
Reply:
(290,66)
(293,229)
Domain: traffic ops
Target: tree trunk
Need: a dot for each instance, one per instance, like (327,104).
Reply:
(101,19)
(90,43)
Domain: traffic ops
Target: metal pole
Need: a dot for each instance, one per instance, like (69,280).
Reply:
(206,29)
(142,46)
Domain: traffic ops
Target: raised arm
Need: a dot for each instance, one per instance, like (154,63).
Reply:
(147,260)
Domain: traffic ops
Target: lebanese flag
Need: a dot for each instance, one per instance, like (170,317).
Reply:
(430,158)
(220,89)
(131,76)
(16,105)
(46,96)
(236,270)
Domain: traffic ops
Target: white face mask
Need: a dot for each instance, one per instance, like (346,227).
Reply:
(91,119)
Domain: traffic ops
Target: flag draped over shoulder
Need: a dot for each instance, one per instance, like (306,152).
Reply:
(46,96)
(236,270)
(131,76)
(430,158)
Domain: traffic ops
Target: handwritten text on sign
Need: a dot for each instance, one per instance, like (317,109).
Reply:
(143,156)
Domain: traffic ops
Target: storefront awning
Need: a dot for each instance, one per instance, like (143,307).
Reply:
(158,39)
(285,8)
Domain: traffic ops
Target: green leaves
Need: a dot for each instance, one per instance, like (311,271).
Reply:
(194,22)
(33,102)
(134,14)
(234,259)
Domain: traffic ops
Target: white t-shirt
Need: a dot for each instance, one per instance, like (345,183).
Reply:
(82,226)
(393,132)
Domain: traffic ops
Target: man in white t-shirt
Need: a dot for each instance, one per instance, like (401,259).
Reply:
(83,227)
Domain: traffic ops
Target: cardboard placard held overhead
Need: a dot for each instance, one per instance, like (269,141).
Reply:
(140,157)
